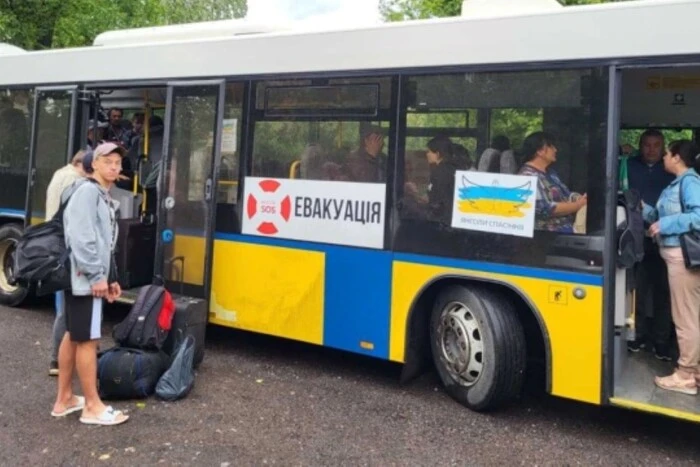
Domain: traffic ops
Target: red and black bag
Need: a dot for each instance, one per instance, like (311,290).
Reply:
(149,321)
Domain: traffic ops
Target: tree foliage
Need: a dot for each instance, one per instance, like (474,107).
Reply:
(398,10)
(43,24)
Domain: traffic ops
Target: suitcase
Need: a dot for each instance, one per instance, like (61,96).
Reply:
(135,253)
(190,319)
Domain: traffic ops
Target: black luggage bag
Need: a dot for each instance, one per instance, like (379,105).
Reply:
(190,319)
(125,373)
(135,253)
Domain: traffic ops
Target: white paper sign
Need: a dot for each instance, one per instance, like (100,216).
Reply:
(342,213)
(228,135)
(497,203)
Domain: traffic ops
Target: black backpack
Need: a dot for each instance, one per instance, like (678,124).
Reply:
(630,234)
(41,257)
(149,321)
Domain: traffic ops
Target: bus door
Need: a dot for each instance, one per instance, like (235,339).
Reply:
(187,201)
(52,144)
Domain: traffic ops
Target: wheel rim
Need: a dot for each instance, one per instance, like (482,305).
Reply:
(461,343)
(7,246)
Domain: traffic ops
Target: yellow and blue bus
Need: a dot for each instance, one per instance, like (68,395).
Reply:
(277,203)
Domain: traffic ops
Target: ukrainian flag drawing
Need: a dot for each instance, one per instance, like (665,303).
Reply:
(494,200)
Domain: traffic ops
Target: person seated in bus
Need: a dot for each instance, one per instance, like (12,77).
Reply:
(676,213)
(556,205)
(499,158)
(368,164)
(653,326)
(436,206)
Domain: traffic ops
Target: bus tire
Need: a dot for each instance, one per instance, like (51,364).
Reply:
(10,295)
(478,346)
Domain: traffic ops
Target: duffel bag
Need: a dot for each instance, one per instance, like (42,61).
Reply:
(125,373)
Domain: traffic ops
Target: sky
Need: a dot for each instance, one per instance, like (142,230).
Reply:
(322,12)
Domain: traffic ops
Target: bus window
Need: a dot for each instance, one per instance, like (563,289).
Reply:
(333,130)
(503,109)
(15,123)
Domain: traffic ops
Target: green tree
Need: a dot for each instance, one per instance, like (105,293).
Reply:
(398,10)
(43,24)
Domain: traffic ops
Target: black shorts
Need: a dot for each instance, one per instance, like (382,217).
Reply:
(83,317)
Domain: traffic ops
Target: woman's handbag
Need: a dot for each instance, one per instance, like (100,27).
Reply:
(690,241)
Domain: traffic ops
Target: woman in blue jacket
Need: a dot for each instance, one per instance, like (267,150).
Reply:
(669,220)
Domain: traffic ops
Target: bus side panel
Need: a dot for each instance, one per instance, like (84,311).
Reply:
(270,290)
(323,294)
(574,325)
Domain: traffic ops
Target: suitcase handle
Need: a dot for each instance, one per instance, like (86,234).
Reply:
(171,262)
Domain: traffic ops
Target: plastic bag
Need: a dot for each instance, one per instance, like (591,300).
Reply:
(178,380)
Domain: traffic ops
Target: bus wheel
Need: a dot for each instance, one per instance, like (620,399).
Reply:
(10,295)
(478,346)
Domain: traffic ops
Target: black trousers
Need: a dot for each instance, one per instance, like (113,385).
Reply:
(654,323)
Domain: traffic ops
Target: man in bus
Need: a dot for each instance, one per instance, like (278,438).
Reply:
(368,164)
(115,131)
(654,324)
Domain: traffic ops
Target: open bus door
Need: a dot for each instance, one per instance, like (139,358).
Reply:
(52,144)
(643,96)
(187,201)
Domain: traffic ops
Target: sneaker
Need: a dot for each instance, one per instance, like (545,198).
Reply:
(53,369)
(635,346)
(676,383)
(661,353)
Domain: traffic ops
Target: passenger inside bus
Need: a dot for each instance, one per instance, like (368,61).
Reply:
(436,205)
(556,205)
(368,163)
(654,327)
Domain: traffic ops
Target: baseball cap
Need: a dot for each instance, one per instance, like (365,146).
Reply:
(106,148)
(102,149)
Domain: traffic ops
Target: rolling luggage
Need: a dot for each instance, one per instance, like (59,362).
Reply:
(135,253)
(190,319)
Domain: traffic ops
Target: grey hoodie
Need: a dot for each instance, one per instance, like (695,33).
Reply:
(91,231)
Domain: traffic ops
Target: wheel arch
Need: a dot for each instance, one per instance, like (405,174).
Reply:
(417,353)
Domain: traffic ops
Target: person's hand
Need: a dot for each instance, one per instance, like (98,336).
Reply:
(115,291)
(581,201)
(654,229)
(123,177)
(100,289)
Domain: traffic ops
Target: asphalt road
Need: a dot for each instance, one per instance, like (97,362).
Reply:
(261,401)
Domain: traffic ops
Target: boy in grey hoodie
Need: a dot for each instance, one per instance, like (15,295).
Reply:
(90,232)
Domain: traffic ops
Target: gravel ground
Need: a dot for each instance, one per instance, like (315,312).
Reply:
(259,400)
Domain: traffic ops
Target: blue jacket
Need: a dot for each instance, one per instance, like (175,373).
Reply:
(648,180)
(672,220)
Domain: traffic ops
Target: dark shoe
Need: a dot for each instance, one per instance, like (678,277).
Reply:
(635,346)
(53,369)
(662,353)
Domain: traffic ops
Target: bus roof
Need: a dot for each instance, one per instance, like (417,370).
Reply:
(614,30)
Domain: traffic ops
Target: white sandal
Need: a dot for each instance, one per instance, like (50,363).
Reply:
(108,417)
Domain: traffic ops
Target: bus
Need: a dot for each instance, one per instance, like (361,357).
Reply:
(251,141)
